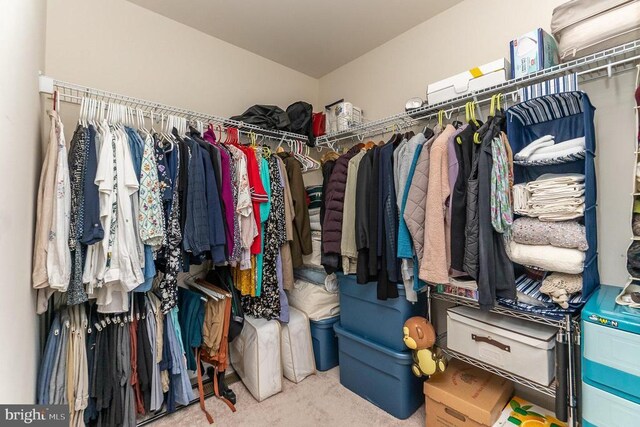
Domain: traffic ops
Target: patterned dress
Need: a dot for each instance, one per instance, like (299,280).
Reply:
(267,305)
(173,251)
(77,166)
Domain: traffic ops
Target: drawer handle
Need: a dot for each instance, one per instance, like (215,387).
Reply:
(492,342)
(455,414)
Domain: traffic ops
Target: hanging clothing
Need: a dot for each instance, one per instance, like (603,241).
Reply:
(501,212)
(415,208)
(301,243)
(285,250)
(61,237)
(47,194)
(405,246)
(334,208)
(434,267)
(387,226)
(363,212)
(464,146)
(348,247)
(495,274)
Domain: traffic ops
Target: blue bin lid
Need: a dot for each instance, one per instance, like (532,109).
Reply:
(602,309)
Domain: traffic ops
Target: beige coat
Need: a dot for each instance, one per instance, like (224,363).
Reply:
(44,210)
(348,238)
(434,267)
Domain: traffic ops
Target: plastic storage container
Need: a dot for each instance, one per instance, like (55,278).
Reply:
(325,343)
(611,345)
(378,374)
(362,313)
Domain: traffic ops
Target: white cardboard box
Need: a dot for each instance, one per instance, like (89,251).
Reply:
(523,348)
(487,75)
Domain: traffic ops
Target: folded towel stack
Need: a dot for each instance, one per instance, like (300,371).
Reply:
(544,151)
(552,197)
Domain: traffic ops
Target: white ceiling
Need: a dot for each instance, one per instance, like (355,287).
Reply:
(312,36)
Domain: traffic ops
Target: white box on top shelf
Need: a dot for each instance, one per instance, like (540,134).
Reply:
(475,79)
(523,348)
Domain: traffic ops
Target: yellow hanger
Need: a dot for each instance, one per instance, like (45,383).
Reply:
(253,139)
(492,109)
(473,113)
(441,118)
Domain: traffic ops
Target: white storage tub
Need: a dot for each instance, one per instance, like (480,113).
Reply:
(255,356)
(523,348)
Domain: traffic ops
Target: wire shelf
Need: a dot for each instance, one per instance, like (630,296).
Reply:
(454,299)
(548,390)
(74,93)
(608,62)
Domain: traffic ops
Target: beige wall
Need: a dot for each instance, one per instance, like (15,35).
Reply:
(469,34)
(22,25)
(475,32)
(118,46)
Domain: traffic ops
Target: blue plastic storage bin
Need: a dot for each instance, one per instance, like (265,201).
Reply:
(325,343)
(378,374)
(380,321)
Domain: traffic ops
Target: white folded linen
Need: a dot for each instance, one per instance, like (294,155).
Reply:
(533,146)
(547,257)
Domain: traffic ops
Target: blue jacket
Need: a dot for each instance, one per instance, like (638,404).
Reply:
(405,246)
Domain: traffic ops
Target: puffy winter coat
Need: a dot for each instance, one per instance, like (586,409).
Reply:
(414,209)
(334,203)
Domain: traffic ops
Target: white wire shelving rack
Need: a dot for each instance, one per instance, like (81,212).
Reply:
(608,62)
(548,390)
(531,317)
(74,93)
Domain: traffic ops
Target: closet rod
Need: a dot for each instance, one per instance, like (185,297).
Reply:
(411,121)
(583,67)
(73,93)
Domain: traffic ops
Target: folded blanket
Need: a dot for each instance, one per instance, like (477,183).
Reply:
(566,234)
(555,180)
(533,146)
(547,257)
(543,153)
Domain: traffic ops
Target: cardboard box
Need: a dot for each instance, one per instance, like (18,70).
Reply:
(533,51)
(519,410)
(465,396)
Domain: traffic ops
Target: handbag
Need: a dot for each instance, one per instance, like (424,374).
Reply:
(319,124)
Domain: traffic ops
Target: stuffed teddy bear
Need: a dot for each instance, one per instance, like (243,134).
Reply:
(420,337)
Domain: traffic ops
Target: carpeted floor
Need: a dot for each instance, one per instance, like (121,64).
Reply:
(319,400)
